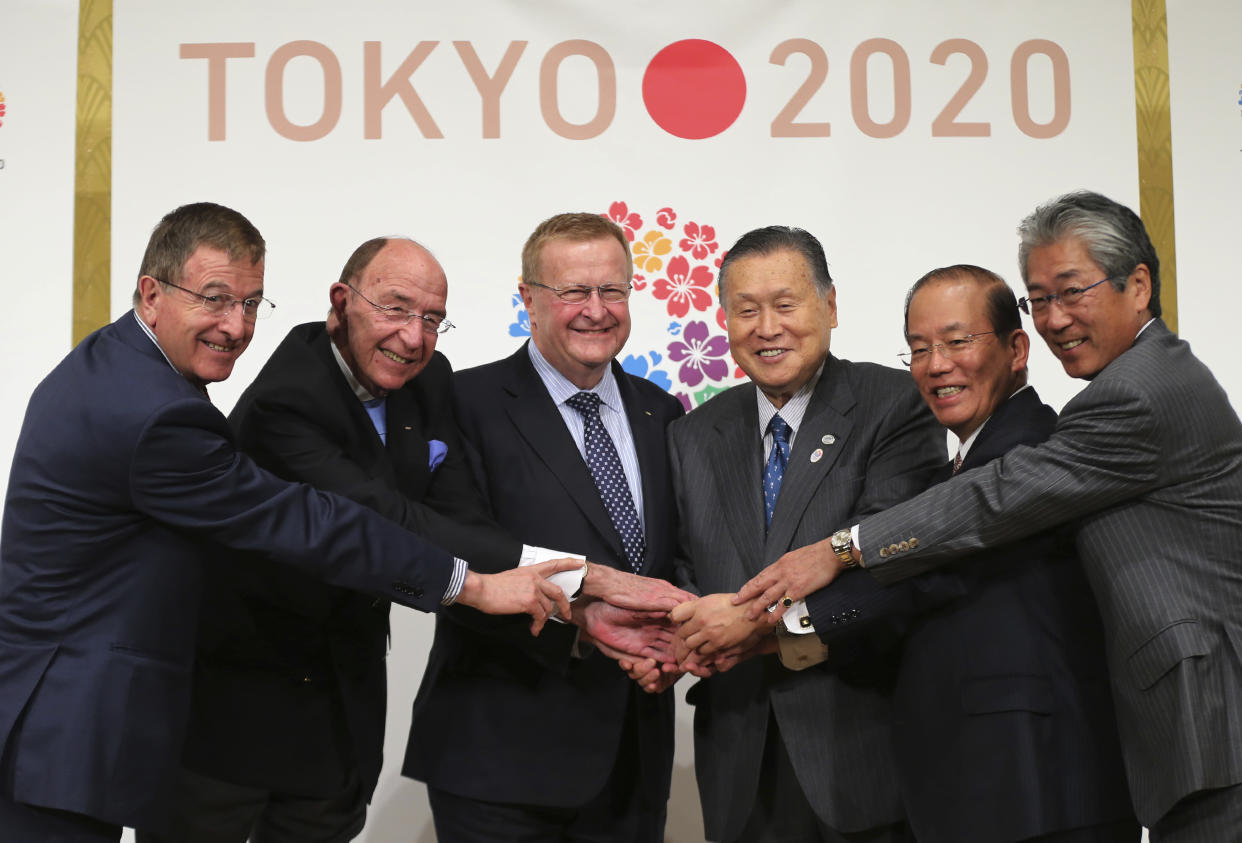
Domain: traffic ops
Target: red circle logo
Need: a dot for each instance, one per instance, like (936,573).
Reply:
(694,89)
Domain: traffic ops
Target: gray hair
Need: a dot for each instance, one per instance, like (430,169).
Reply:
(779,238)
(1113,235)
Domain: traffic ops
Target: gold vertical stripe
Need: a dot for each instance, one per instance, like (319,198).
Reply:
(1155,141)
(92,207)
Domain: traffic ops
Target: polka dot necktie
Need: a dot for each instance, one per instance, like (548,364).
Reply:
(774,472)
(614,490)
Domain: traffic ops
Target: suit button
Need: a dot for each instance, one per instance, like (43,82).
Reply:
(893,548)
(884,553)
(914,543)
(904,546)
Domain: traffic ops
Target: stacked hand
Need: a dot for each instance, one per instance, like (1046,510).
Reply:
(794,576)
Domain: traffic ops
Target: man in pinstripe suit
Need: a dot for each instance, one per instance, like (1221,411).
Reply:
(1148,460)
(803,757)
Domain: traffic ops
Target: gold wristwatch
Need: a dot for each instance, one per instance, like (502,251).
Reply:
(842,543)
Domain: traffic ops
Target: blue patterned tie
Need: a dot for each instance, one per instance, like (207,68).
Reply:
(614,490)
(774,472)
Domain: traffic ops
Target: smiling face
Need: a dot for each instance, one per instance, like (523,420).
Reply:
(202,346)
(779,325)
(1103,324)
(579,340)
(384,355)
(964,389)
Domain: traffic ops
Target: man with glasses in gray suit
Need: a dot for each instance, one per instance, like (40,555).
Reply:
(1147,460)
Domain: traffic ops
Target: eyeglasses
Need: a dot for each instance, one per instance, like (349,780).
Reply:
(394,315)
(220,304)
(579,293)
(1068,297)
(952,347)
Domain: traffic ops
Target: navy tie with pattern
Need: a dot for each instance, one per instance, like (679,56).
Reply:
(774,472)
(614,490)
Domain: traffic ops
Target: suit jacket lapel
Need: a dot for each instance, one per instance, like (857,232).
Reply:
(825,430)
(408,451)
(648,436)
(738,473)
(539,423)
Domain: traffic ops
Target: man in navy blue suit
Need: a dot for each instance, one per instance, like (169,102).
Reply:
(125,481)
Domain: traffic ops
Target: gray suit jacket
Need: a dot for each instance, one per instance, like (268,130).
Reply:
(880,445)
(1149,459)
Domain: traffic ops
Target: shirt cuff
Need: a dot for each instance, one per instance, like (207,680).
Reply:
(798,652)
(569,582)
(797,619)
(456,581)
(854,539)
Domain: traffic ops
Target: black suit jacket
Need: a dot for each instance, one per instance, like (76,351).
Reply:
(125,484)
(290,689)
(515,718)
(1003,722)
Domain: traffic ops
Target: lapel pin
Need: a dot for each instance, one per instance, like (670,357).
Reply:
(407,427)
(817,455)
(828,439)
(648,412)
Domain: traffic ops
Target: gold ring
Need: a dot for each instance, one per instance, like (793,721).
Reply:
(786,601)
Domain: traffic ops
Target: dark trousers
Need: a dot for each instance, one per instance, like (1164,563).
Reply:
(21,823)
(782,814)
(208,810)
(1209,816)
(620,813)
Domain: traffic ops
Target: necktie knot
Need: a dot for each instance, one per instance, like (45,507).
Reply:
(585,403)
(780,430)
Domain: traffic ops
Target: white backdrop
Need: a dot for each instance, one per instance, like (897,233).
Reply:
(330,124)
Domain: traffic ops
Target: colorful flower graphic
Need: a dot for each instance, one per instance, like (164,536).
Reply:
(1,108)
(700,354)
(685,287)
(649,252)
(620,213)
(699,241)
(667,218)
(639,367)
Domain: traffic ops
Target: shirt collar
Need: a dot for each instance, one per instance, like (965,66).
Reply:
(964,448)
(795,407)
(146,329)
(562,388)
(360,391)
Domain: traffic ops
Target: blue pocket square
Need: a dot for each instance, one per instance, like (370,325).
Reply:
(437,450)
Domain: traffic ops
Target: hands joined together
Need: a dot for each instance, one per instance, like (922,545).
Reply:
(657,632)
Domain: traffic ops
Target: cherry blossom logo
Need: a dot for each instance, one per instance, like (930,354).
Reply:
(2,108)
(674,310)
